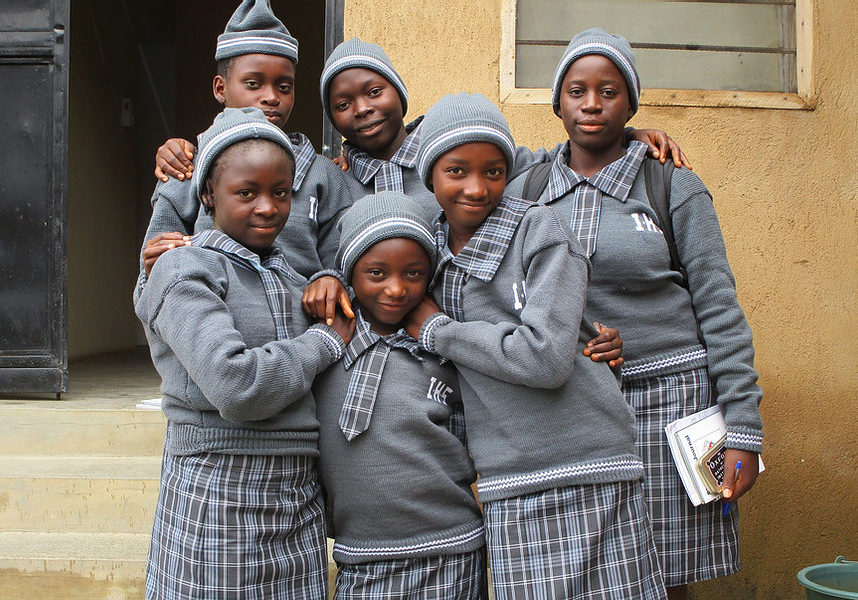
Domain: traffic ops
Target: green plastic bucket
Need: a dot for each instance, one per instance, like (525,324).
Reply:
(832,580)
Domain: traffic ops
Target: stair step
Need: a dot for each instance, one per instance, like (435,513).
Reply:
(78,494)
(80,428)
(72,566)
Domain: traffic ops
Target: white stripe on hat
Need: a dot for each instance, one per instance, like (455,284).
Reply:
(585,49)
(495,134)
(256,40)
(354,60)
(398,222)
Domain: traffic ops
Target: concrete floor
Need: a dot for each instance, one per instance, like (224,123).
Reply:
(112,381)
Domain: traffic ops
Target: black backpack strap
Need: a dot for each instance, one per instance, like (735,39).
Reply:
(536,182)
(657,177)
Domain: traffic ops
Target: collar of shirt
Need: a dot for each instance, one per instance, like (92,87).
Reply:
(614,179)
(365,338)
(276,293)
(483,253)
(366,167)
(305,154)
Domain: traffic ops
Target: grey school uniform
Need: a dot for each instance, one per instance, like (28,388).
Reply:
(240,511)
(668,374)
(550,433)
(310,238)
(399,501)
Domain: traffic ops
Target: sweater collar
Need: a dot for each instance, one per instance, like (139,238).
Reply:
(483,253)
(614,179)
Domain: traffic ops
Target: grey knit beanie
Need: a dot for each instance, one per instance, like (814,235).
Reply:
(461,119)
(379,217)
(253,29)
(613,47)
(355,53)
(231,126)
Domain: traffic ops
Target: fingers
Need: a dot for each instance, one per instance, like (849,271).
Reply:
(174,159)
(330,309)
(346,304)
(740,473)
(159,244)
(684,160)
(605,347)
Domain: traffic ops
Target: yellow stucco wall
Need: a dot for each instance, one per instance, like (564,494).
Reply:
(784,183)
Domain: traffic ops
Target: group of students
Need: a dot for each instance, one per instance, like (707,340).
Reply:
(347,351)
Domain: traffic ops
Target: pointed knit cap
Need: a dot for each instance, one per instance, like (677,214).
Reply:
(613,47)
(355,53)
(253,29)
(461,119)
(231,126)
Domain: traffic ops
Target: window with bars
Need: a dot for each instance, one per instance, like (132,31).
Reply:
(720,49)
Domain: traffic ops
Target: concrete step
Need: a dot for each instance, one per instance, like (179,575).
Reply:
(94,428)
(72,566)
(78,566)
(92,494)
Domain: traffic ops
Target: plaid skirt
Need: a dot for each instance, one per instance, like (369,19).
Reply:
(238,526)
(694,543)
(580,542)
(451,577)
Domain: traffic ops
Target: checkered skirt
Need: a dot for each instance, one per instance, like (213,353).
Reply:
(238,526)
(581,542)
(693,543)
(452,577)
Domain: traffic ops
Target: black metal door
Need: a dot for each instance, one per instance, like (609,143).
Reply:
(33,133)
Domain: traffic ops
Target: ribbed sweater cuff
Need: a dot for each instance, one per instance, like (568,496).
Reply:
(426,338)
(745,438)
(332,340)
(329,273)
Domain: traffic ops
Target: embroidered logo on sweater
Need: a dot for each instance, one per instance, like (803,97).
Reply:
(643,222)
(438,391)
(519,293)
(314,208)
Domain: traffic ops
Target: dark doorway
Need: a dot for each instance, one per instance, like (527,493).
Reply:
(141,72)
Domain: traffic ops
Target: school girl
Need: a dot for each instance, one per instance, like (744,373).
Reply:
(686,344)
(394,463)
(256,62)
(240,510)
(550,433)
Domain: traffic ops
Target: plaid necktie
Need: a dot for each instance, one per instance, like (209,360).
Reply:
(368,353)
(385,174)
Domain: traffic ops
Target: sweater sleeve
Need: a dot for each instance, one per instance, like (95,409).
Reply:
(729,344)
(244,384)
(539,350)
(337,199)
(173,209)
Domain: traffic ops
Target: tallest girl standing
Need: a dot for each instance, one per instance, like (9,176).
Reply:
(669,372)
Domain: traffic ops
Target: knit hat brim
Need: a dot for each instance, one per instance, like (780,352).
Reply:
(231,126)
(378,217)
(613,47)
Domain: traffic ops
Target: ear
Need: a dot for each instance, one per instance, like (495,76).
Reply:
(208,197)
(219,89)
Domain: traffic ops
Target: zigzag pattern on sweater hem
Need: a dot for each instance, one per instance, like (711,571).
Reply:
(428,547)
(620,469)
(666,364)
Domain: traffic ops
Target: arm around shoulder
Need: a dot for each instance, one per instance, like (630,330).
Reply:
(536,348)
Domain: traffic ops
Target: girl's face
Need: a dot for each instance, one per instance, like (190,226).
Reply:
(389,280)
(262,81)
(594,104)
(367,111)
(250,190)
(469,183)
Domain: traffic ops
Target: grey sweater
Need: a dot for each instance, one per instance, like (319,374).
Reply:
(227,386)
(401,489)
(540,414)
(633,288)
(310,238)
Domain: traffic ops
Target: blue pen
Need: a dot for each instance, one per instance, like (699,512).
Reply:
(725,510)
